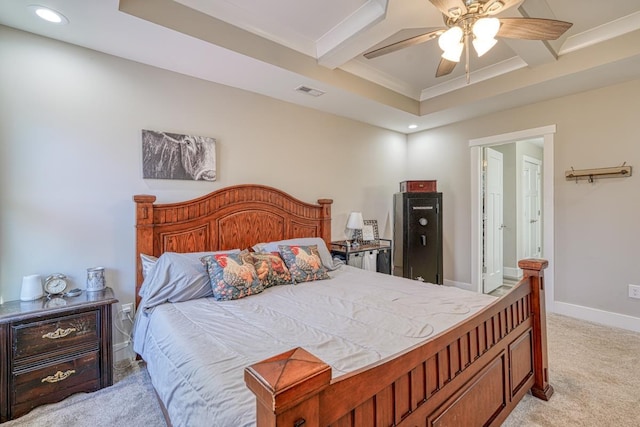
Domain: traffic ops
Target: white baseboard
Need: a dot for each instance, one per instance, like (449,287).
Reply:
(512,273)
(607,318)
(461,285)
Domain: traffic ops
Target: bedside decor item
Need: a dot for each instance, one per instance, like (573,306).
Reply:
(55,284)
(175,156)
(354,225)
(369,234)
(31,288)
(95,279)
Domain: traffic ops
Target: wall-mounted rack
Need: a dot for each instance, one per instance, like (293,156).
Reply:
(590,174)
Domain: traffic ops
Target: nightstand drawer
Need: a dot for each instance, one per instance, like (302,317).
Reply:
(36,338)
(55,381)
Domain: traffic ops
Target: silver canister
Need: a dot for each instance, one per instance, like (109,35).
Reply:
(95,279)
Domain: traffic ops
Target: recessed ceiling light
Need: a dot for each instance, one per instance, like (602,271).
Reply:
(49,15)
(413,126)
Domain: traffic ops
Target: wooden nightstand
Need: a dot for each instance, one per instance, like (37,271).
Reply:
(348,252)
(50,351)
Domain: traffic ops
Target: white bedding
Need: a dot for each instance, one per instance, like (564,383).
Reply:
(196,351)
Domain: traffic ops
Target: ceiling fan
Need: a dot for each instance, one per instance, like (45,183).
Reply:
(472,22)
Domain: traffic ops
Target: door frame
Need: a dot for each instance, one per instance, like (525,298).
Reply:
(475,145)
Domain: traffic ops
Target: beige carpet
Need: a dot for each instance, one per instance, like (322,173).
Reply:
(595,371)
(129,402)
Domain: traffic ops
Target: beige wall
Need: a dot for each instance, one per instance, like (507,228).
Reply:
(596,225)
(70,156)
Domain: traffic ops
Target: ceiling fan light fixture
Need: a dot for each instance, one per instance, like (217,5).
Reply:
(455,12)
(450,39)
(483,46)
(486,28)
(453,53)
(494,7)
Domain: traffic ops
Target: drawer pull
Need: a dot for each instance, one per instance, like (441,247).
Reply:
(59,333)
(59,376)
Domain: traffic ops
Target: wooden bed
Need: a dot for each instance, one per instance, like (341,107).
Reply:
(473,374)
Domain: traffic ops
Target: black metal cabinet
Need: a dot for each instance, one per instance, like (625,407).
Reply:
(417,236)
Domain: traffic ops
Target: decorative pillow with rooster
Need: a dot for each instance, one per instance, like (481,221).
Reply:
(232,276)
(271,269)
(304,263)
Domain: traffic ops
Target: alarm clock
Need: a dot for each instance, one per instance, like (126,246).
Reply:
(55,284)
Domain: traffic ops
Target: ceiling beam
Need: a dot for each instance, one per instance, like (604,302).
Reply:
(530,51)
(339,45)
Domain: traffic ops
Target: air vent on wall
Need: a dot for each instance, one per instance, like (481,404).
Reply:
(309,91)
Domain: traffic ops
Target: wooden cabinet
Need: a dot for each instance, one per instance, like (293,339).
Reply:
(49,351)
(353,255)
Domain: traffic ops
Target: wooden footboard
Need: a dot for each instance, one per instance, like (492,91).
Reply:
(473,374)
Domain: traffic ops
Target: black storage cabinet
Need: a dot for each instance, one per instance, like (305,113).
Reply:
(417,236)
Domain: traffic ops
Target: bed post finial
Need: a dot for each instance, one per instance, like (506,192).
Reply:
(534,268)
(287,388)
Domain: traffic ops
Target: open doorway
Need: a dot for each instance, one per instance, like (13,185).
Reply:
(512,211)
(533,207)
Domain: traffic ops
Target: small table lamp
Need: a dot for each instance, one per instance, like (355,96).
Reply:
(354,222)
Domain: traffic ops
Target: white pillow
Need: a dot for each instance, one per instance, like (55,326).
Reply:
(148,262)
(325,255)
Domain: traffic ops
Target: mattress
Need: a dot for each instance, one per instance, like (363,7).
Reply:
(196,350)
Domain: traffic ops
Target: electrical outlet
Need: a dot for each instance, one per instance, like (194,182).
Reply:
(634,291)
(126,310)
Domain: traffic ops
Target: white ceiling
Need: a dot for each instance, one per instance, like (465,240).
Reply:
(274,47)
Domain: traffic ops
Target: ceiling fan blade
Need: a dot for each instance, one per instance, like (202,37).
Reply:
(493,7)
(532,28)
(411,41)
(445,67)
(452,8)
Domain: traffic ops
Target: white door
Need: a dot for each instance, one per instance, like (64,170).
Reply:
(532,227)
(493,227)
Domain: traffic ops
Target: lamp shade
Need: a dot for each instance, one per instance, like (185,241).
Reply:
(355,221)
(483,46)
(451,43)
(486,28)
(454,53)
(450,39)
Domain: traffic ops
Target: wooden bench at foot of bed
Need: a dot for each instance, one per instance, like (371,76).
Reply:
(471,375)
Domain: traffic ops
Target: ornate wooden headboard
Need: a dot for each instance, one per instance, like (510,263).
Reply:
(233,217)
